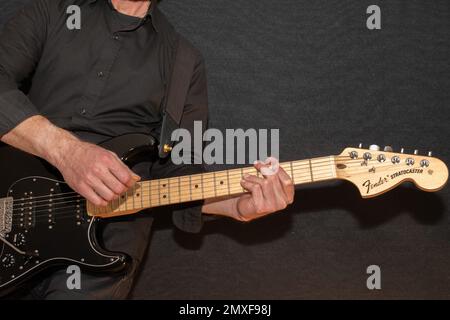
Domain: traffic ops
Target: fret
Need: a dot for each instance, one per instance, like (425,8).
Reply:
(310,170)
(141,195)
(228,181)
(190,188)
(292,172)
(203,191)
(215,189)
(179,190)
(242,177)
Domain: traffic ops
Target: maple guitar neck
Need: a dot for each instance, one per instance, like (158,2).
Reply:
(373,172)
(160,192)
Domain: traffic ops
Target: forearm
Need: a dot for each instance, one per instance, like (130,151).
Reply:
(38,136)
(222,207)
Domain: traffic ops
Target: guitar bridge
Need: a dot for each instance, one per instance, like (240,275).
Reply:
(6,214)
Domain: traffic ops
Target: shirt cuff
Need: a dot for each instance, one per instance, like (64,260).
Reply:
(15,107)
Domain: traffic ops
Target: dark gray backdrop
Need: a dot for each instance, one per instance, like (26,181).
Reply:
(312,69)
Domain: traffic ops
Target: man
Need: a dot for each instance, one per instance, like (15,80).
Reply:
(107,78)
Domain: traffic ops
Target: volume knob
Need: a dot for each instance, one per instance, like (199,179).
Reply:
(8,260)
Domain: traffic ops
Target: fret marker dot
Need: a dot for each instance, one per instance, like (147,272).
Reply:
(221,182)
(196,185)
(164,196)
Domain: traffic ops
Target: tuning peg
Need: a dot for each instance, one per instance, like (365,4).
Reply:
(360,145)
(430,153)
(402,150)
(416,152)
(374,147)
(388,149)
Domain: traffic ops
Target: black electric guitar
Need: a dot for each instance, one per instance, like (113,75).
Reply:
(44,223)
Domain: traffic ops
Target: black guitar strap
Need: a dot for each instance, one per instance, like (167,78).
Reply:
(179,82)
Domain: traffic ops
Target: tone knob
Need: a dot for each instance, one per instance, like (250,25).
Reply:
(374,147)
(19,239)
(8,260)
(388,149)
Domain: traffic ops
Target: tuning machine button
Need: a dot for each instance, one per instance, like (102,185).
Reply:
(395,159)
(402,150)
(367,156)
(430,153)
(381,158)
(409,161)
(360,145)
(353,154)
(416,152)
(388,149)
(374,147)
(424,163)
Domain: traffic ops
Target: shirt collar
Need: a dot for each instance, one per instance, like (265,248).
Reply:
(151,13)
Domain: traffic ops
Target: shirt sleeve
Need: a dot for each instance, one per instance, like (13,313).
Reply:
(188,217)
(21,43)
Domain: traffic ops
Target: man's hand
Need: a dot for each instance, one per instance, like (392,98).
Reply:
(269,194)
(95,173)
(266,195)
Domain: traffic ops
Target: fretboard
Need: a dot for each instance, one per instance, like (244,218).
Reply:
(161,192)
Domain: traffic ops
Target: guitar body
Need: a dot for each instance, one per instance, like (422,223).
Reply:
(55,230)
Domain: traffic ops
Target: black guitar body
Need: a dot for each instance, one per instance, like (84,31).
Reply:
(46,209)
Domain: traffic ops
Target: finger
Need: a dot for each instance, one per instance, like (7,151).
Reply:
(90,195)
(101,189)
(288,185)
(113,183)
(254,189)
(265,184)
(123,173)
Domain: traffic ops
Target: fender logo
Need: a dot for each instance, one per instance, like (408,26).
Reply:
(369,185)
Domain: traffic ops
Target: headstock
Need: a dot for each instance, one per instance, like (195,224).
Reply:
(374,171)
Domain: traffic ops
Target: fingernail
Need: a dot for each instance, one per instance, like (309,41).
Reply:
(136,177)
(255,162)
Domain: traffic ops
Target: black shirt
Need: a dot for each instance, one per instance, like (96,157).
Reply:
(106,79)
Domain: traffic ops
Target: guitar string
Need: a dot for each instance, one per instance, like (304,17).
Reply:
(158,189)
(231,173)
(82,207)
(143,194)
(219,172)
(57,196)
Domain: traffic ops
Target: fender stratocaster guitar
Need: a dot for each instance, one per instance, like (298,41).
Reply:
(39,210)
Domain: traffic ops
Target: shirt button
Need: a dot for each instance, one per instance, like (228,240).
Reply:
(116,37)
(100,74)
(83,111)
